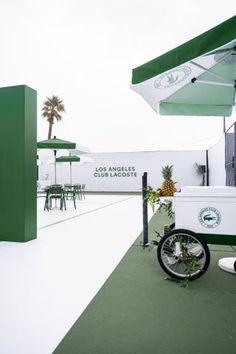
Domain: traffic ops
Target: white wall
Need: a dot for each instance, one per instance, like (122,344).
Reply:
(216,163)
(130,166)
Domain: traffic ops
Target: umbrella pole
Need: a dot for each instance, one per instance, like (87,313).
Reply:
(55,169)
(145,210)
(70,173)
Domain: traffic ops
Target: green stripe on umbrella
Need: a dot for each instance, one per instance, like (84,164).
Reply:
(68,158)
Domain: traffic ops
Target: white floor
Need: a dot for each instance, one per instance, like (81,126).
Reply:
(47,283)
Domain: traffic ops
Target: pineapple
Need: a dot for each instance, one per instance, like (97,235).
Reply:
(168,186)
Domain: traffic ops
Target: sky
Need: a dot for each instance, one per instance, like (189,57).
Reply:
(84,52)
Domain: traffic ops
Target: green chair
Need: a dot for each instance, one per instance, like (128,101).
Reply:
(78,191)
(46,204)
(55,192)
(68,189)
(70,193)
(83,191)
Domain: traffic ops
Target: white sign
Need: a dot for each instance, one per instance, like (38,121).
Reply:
(123,171)
(115,171)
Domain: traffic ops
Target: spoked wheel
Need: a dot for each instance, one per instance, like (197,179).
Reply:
(183,254)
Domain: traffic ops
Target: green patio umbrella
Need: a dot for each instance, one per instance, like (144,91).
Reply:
(55,144)
(70,159)
(195,79)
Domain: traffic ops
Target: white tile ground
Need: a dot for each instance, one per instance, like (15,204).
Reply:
(47,283)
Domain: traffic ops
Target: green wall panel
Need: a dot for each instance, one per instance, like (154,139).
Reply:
(18,167)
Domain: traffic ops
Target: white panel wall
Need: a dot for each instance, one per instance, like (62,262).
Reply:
(216,163)
(123,171)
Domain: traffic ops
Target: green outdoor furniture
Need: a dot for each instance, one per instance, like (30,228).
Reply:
(68,188)
(55,192)
(78,191)
(70,193)
(83,190)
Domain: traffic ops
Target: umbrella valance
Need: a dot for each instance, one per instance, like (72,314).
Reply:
(68,158)
(196,78)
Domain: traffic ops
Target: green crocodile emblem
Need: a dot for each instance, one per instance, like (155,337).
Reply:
(209,217)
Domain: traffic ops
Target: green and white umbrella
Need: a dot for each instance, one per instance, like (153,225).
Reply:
(55,144)
(195,79)
(68,159)
(73,158)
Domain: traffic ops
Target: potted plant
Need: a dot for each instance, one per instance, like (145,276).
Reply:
(201,172)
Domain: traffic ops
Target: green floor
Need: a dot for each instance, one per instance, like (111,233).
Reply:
(138,311)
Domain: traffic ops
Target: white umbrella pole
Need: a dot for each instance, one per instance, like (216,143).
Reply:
(71,173)
(55,168)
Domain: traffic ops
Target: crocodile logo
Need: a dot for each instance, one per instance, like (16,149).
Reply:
(172,77)
(209,217)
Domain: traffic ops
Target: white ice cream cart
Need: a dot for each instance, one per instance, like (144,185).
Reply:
(202,215)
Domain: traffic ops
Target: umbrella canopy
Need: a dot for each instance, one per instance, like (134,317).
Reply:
(80,150)
(55,144)
(197,78)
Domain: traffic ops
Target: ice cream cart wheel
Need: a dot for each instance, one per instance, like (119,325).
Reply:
(183,254)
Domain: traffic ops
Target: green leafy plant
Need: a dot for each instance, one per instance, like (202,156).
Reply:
(151,197)
(191,263)
(154,199)
(190,260)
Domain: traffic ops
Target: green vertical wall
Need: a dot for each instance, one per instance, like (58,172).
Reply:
(18,167)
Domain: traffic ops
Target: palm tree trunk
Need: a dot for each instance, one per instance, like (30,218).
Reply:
(50,130)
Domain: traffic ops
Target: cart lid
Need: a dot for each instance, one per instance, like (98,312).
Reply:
(211,191)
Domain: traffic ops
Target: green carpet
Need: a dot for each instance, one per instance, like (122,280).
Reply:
(138,311)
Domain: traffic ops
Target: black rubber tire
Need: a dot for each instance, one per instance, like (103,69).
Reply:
(197,240)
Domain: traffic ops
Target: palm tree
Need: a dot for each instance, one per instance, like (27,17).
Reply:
(51,110)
